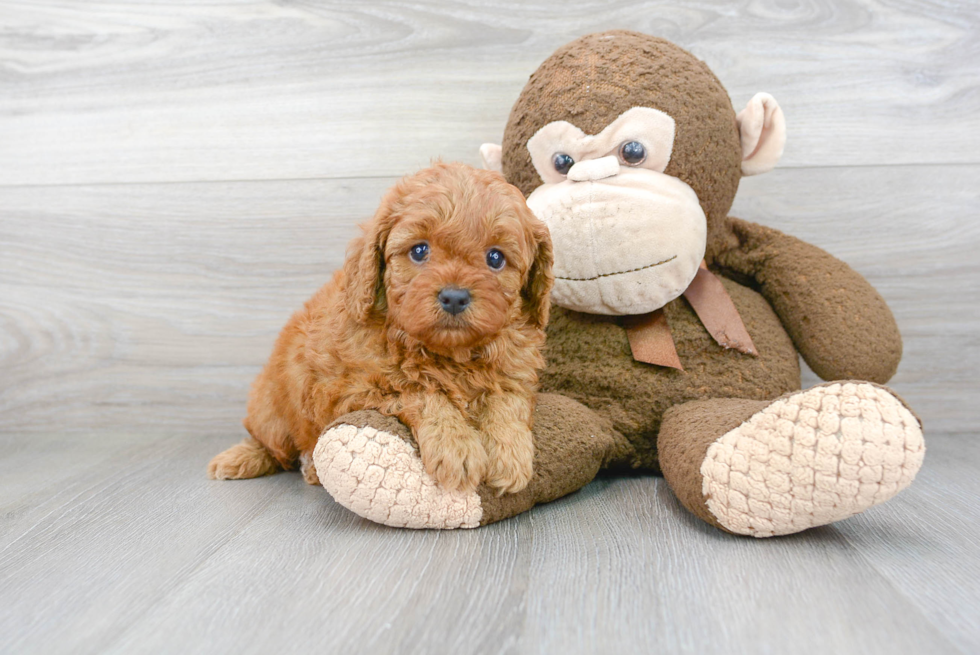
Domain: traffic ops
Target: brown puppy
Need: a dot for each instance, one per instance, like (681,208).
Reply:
(437,318)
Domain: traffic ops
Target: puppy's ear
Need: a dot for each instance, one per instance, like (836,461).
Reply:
(364,266)
(536,292)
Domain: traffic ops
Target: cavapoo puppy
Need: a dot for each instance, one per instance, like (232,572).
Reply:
(437,318)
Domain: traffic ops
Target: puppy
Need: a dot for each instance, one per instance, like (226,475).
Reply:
(437,318)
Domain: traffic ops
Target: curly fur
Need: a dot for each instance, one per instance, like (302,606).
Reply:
(376,337)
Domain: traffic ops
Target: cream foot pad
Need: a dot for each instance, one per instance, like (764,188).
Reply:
(380,477)
(812,458)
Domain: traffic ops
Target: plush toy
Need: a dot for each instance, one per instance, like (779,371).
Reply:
(675,340)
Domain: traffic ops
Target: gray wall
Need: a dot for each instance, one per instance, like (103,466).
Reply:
(176,178)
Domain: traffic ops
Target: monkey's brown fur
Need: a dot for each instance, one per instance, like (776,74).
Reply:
(375,337)
(791,295)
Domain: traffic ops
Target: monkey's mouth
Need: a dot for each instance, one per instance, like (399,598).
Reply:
(602,275)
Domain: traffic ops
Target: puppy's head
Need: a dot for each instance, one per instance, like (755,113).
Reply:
(451,258)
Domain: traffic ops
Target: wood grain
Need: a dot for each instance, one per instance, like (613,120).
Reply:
(925,543)
(177,177)
(142,553)
(146,92)
(106,547)
(158,303)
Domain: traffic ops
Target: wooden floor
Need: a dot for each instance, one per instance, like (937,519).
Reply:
(124,546)
(177,177)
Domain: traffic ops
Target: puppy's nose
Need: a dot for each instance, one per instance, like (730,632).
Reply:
(594,169)
(454,301)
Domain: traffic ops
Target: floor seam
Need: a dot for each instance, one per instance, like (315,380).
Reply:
(395,176)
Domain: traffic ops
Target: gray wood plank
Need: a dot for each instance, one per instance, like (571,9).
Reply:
(137,92)
(158,303)
(926,541)
(149,556)
(104,547)
(809,593)
(111,295)
(364,589)
(32,469)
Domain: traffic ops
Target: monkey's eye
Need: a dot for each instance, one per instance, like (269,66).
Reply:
(633,153)
(419,252)
(562,163)
(495,259)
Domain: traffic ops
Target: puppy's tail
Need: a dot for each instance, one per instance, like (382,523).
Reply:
(249,459)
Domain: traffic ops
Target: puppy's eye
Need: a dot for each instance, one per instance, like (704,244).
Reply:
(562,163)
(633,153)
(419,252)
(495,259)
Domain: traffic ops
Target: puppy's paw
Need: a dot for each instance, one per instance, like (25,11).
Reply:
(245,460)
(511,462)
(308,468)
(457,462)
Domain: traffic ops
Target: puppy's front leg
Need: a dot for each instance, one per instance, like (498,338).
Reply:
(451,449)
(505,424)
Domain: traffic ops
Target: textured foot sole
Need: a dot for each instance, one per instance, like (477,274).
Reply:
(378,476)
(812,458)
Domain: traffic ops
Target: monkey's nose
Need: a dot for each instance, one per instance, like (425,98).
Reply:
(594,169)
(454,301)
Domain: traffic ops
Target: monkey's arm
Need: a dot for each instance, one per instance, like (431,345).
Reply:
(836,319)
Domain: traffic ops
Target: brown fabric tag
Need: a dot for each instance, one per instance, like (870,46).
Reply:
(650,339)
(717,312)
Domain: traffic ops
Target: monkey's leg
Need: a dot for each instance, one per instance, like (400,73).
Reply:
(809,458)
(370,464)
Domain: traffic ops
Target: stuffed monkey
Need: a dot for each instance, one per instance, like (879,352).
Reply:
(676,329)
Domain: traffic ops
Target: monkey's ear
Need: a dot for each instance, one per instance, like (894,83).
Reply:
(762,129)
(492,155)
(364,267)
(536,293)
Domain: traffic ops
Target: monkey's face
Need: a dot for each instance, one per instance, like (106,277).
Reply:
(613,207)
(627,238)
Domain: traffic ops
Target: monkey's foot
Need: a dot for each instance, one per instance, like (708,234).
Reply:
(378,474)
(370,464)
(809,458)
